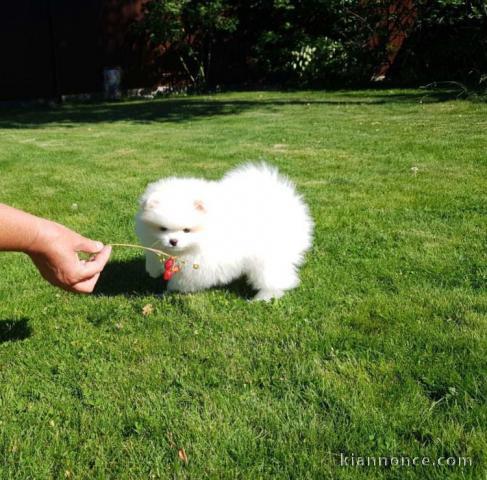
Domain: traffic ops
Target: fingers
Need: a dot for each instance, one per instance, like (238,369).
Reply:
(96,265)
(86,286)
(88,246)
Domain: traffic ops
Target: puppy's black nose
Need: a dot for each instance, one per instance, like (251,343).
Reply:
(173,242)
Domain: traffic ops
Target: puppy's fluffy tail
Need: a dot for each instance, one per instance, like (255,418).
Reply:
(260,175)
(275,201)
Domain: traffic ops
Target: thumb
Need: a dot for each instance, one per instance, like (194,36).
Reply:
(88,246)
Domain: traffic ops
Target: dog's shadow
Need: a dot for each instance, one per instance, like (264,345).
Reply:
(129,278)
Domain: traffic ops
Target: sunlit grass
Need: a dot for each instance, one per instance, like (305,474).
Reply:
(380,351)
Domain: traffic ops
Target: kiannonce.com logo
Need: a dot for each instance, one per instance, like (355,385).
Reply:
(352,460)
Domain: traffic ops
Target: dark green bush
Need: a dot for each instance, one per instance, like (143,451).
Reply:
(315,42)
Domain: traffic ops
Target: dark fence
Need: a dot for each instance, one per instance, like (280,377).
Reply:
(50,48)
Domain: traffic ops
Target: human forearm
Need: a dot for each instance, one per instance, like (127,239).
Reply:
(18,230)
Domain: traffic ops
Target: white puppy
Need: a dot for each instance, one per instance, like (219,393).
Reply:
(252,223)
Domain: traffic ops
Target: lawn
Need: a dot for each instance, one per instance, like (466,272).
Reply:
(380,352)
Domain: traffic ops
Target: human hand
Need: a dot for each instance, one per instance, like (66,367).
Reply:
(55,254)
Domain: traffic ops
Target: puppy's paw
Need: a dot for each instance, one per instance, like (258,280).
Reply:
(154,269)
(155,273)
(268,295)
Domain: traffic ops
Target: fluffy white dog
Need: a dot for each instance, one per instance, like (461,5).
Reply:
(252,223)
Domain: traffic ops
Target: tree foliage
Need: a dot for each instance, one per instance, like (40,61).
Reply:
(319,42)
(189,30)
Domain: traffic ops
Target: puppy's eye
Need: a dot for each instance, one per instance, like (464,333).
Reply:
(163,229)
(186,230)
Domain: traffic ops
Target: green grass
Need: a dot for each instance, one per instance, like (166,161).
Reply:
(380,352)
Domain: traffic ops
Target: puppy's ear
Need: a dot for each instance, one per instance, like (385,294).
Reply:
(200,206)
(149,203)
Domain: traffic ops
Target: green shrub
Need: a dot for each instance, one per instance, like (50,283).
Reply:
(316,42)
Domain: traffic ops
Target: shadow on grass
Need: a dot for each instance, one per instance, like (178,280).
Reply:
(239,288)
(12,330)
(186,109)
(130,279)
(127,278)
